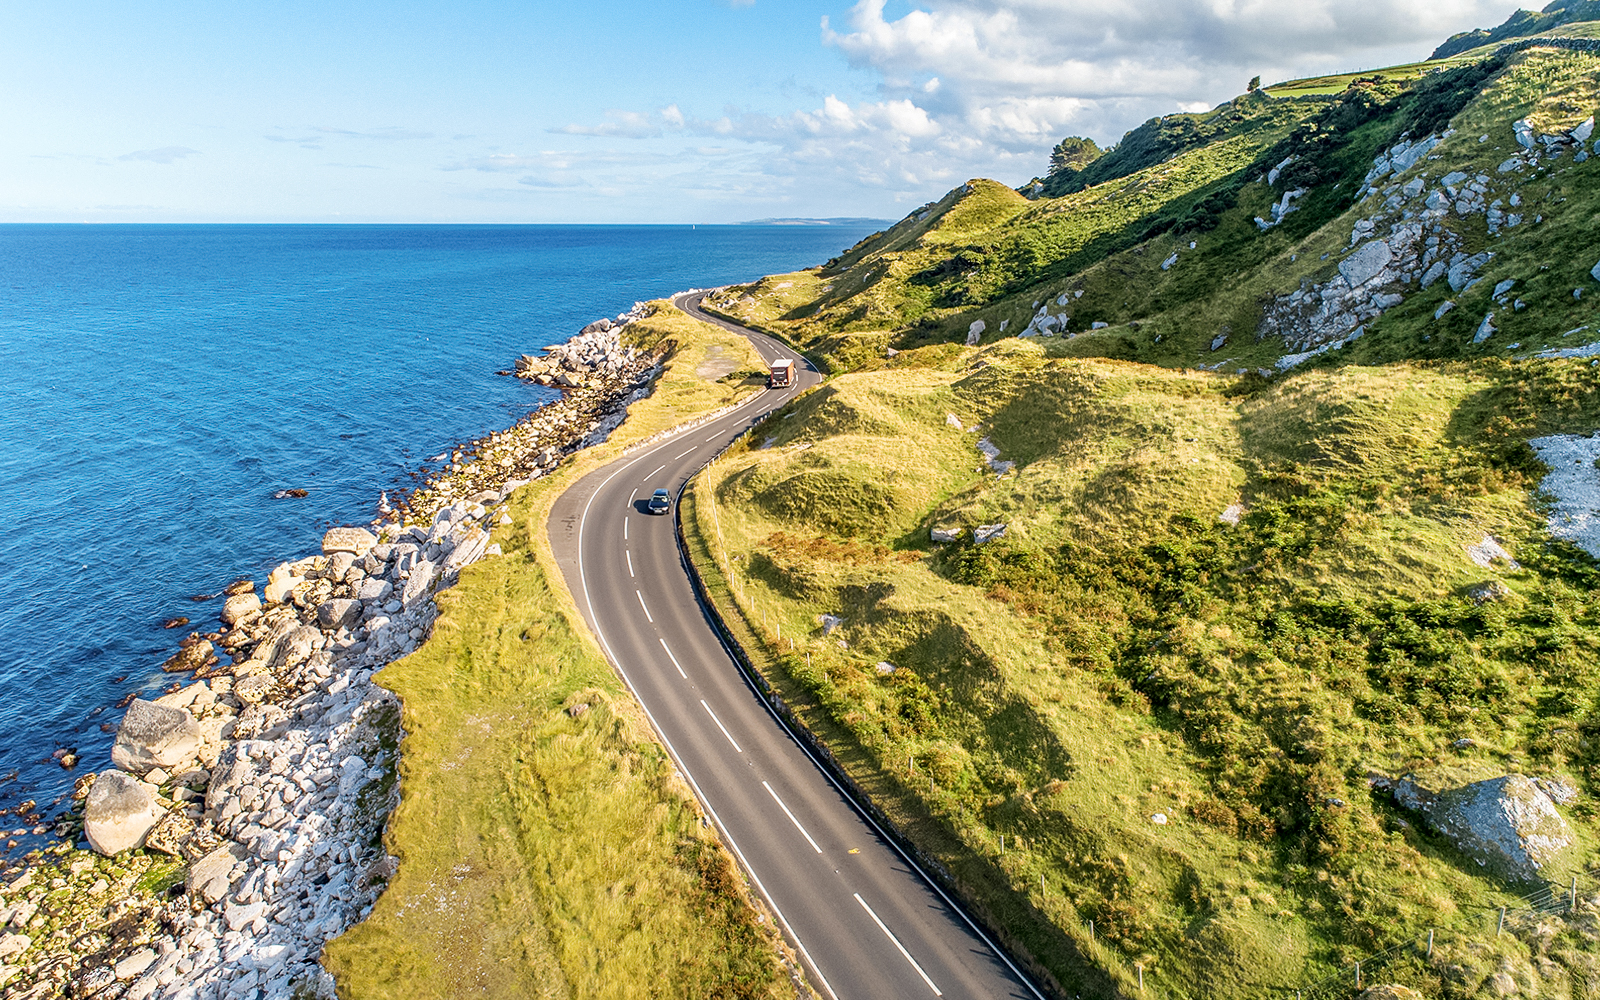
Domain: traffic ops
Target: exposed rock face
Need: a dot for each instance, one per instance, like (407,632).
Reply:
(946,534)
(988,533)
(355,541)
(1366,263)
(1507,823)
(153,735)
(118,813)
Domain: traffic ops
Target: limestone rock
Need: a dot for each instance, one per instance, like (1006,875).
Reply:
(12,945)
(1507,822)
(1486,329)
(154,735)
(355,541)
(295,646)
(1363,265)
(946,534)
(118,813)
(194,656)
(280,584)
(374,589)
(170,834)
(975,331)
(212,875)
(239,607)
(255,689)
(988,533)
(341,612)
(419,583)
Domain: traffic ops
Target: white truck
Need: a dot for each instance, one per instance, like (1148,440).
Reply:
(782,374)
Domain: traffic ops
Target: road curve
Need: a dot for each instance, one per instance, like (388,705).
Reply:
(866,921)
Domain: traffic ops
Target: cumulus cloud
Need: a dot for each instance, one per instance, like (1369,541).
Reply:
(985,87)
(166,154)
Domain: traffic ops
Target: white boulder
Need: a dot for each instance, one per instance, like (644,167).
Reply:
(118,813)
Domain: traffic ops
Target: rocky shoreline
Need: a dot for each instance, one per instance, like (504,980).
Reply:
(241,826)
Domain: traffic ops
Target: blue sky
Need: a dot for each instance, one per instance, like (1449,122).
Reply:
(660,112)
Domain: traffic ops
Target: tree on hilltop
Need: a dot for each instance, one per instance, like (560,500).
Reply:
(1073,153)
(1255,85)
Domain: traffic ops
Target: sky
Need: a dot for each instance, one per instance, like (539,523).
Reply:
(629,111)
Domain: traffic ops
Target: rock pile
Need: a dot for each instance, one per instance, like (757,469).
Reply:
(273,772)
(1410,241)
(596,350)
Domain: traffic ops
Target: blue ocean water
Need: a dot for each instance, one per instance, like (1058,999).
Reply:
(161,383)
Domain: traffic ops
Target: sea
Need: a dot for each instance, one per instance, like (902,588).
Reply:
(163,386)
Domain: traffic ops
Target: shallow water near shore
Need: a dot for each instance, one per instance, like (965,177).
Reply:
(163,382)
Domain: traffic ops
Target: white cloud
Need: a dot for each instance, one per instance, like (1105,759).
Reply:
(985,87)
(166,154)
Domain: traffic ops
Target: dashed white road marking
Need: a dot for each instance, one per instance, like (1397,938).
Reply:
(652,475)
(789,814)
(629,554)
(624,529)
(685,453)
(898,945)
(720,726)
(674,660)
(642,605)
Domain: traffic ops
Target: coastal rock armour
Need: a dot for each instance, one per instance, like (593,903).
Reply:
(153,735)
(118,812)
(355,541)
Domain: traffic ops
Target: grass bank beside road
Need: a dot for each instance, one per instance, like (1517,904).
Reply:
(1139,726)
(546,847)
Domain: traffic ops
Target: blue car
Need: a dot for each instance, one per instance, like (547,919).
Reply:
(660,502)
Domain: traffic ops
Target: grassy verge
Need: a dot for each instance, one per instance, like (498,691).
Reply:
(548,849)
(1121,655)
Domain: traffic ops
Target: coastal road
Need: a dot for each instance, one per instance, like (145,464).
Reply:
(866,921)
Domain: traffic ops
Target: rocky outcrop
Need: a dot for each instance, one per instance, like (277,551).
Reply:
(153,735)
(118,812)
(1507,822)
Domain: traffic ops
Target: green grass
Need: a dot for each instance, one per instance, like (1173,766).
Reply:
(1120,653)
(542,853)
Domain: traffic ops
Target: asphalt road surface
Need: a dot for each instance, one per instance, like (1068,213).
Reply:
(866,921)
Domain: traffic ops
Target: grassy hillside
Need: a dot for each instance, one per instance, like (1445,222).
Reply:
(1121,653)
(1246,455)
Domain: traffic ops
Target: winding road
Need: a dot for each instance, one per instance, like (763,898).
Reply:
(866,921)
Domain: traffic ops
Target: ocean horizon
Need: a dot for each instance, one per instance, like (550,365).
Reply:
(166,381)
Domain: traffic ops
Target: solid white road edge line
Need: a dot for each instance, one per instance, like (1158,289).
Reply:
(898,945)
(720,726)
(646,610)
(674,660)
(700,796)
(789,814)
